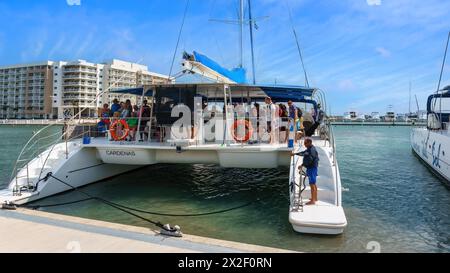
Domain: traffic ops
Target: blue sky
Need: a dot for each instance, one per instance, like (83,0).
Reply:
(363,53)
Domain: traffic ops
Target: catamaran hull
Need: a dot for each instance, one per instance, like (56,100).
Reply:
(86,164)
(433,148)
(327,216)
(331,230)
(79,168)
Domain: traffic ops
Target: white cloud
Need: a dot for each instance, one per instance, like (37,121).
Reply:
(346,84)
(383,52)
(73,2)
(374,2)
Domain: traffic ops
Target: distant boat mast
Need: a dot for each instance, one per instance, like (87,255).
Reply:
(409,97)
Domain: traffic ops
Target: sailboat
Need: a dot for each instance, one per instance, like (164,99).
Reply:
(411,117)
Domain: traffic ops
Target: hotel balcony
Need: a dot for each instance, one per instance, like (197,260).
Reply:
(79,93)
(80,77)
(80,83)
(80,69)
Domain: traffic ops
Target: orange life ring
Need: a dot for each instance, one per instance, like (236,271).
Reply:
(113,132)
(248,129)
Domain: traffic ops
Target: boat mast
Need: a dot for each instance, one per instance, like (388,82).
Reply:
(418,108)
(241,33)
(250,18)
(409,97)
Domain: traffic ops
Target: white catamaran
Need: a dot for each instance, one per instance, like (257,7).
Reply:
(432,144)
(227,122)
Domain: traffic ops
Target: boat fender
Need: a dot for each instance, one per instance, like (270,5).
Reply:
(171,231)
(9,206)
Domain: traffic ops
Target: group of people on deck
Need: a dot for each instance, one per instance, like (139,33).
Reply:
(305,124)
(281,117)
(128,112)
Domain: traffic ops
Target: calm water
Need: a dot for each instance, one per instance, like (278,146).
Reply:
(392,199)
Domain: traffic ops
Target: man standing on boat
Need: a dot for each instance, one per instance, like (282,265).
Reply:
(272,119)
(311,163)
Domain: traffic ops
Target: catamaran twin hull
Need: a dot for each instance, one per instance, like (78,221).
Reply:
(85,164)
(80,164)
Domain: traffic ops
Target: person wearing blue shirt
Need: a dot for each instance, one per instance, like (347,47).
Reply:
(311,163)
(115,107)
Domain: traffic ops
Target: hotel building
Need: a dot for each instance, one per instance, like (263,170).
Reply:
(60,89)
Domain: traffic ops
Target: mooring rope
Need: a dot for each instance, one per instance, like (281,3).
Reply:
(131,208)
(158,224)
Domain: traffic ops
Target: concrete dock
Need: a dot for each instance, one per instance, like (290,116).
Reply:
(24,231)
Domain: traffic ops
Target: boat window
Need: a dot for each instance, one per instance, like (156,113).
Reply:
(167,98)
(441,105)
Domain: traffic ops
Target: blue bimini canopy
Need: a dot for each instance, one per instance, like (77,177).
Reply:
(134,91)
(287,92)
(237,74)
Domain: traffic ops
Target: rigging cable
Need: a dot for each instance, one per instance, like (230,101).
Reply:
(439,87)
(440,77)
(179,37)
(297,42)
(56,205)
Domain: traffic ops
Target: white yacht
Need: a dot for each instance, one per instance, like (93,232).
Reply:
(375,117)
(389,117)
(432,143)
(401,118)
(354,116)
(412,118)
(227,122)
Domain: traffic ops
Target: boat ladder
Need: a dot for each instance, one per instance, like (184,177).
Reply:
(297,189)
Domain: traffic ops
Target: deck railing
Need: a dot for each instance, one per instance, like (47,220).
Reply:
(64,136)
